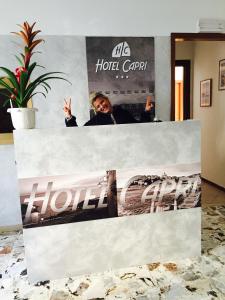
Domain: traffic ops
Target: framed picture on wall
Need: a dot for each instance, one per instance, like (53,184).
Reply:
(206,93)
(222,74)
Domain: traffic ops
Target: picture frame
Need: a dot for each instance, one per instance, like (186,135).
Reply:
(206,93)
(221,81)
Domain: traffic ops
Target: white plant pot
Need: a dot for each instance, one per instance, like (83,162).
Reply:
(23,118)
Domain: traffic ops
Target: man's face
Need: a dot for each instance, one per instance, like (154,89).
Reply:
(102,105)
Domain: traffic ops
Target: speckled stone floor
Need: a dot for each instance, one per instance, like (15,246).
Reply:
(202,278)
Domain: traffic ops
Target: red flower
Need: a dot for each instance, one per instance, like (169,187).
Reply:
(18,72)
(13,97)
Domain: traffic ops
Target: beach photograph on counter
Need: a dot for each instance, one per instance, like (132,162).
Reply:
(62,199)
(158,189)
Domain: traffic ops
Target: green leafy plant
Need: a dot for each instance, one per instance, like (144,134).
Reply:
(19,85)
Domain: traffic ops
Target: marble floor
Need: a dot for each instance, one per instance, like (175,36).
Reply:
(201,278)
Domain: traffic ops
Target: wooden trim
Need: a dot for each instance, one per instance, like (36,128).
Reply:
(219,187)
(172,110)
(6,138)
(200,36)
(186,64)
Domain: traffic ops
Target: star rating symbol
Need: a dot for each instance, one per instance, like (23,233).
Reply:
(122,76)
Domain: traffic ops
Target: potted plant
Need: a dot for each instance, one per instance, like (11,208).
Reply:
(19,84)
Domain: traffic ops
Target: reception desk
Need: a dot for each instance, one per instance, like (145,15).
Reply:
(107,197)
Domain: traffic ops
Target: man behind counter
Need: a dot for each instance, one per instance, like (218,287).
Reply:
(106,113)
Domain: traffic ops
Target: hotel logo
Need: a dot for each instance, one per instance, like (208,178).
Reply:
(121,49)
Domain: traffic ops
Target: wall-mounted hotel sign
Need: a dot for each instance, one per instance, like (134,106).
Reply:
(123,68)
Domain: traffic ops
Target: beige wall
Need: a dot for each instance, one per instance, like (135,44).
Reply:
(185,50)
(207,56)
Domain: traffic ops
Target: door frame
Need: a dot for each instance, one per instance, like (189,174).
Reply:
(186,64)
(176,36)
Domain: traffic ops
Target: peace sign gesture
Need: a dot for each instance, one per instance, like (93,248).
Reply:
(148,104)
(67,108)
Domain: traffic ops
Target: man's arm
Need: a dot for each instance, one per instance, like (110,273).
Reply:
(148,114)
(70,122)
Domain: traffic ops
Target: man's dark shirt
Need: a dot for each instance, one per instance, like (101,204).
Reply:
(120,115)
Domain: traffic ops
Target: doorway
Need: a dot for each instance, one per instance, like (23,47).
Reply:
(205,52)
(186,37)
(182,90)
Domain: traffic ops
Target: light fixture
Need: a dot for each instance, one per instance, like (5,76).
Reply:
(211,25)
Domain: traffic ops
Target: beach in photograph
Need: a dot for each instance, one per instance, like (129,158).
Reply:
(158,189)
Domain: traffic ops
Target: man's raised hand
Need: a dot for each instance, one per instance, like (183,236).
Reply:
(67,108)
(148,105)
